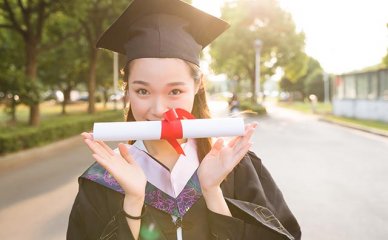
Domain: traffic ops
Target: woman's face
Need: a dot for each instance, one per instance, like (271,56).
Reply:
(156,85)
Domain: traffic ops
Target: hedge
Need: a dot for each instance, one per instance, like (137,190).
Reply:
(257,108)
(20,138)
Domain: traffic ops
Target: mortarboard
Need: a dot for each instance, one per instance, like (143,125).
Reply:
(162,29)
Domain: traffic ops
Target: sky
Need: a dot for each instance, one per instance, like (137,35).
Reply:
(343,35)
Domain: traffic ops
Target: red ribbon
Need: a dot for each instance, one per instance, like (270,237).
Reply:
(172,127)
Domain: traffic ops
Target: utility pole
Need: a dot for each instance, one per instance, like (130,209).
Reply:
(326,87)
(257,90)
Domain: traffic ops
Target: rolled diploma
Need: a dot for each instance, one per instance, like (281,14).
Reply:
(151,130)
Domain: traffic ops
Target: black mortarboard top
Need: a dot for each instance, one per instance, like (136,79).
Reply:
(162,29)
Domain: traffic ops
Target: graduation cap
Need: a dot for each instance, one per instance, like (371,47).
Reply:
(162,29)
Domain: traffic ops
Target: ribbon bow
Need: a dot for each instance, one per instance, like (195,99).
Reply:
(172,127)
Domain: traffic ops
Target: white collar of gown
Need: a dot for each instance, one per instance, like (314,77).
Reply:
(171,182)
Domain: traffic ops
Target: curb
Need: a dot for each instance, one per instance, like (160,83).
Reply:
(17,159)
(356,127)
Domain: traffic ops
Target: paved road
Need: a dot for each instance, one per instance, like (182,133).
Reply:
(333,178)
(36,199)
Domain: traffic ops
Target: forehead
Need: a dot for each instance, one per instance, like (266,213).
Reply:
(159,69)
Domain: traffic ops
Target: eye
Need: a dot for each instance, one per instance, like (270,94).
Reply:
(142,91)
(175,92)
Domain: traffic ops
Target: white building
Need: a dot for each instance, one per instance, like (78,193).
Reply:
(362,95)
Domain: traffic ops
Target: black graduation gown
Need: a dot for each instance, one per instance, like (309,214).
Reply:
(257,205)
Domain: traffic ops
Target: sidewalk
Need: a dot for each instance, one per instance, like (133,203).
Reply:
(15,160)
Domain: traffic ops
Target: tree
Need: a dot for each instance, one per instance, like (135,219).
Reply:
(28,19)
(105,75)
(11,72)
(310,83)
(234,53)
(94,17)
(65,66)
(313,83)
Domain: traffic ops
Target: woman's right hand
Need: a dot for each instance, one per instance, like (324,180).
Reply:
(122,167)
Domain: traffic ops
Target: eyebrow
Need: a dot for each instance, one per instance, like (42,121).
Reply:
(168,84)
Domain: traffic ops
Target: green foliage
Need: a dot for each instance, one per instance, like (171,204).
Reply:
(60,47)
(385,60)
(310,83)
(15,139)
(296,67)
(234,52)
(28,19)
(64,66)
(255,108)
(30,92)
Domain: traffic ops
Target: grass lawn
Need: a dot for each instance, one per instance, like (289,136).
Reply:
(364,123)
(320,108)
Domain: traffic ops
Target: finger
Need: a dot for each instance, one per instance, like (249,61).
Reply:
(244,140)
(103,162)
(233,141)
(96,148)
(249,126)
(217,146)
(125,154)
(255,124)
(106,147)
(240,154)
(86,135)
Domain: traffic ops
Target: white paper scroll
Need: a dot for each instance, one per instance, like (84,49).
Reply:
(151,130)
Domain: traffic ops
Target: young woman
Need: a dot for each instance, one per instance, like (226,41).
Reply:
(145,189)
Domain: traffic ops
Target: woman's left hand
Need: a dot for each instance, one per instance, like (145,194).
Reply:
(221,160)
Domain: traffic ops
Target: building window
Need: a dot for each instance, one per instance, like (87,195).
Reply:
(339,87)
(373,85)
(362,86)
(350,86)
(383,75)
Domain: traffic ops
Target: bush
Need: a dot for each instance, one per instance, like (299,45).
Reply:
(16,139)
(255,108)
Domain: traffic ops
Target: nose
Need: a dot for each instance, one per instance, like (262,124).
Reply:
(159,108)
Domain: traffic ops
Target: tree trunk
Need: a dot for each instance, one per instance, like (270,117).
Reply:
(66,99)
(106,98)
(31,70)
(92,80)
(13,110)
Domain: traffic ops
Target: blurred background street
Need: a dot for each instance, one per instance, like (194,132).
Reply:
(333,178)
